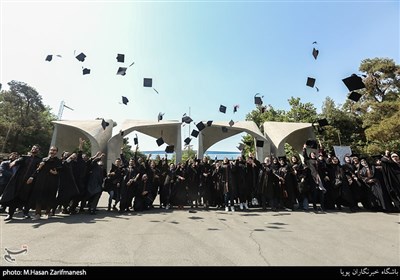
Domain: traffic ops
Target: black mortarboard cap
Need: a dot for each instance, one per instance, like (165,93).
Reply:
(257,100)
(187,140)
(355,96)
(194,133)
(200,126)
(322,122)
(160,116)
(260,143)
(315,53)
(310,82)
(121,57)
(85,71)
(135,140)
(122,71)
(160,141)
(125,100)
(49,57)
(187,119)
(81,57)
(170,149)
(235,108)
(121,132)
(240,147)
(209,123)
(222,109)
(231,123)
(224,129)
(104,124)
(311,143)
(353,82)
(147,82)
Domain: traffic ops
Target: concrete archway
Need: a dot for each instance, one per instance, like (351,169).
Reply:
(221,130)
(170,131)
(294,134)
(67,133)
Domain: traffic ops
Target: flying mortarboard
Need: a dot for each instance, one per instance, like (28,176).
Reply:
(209,123)
(322,122)
(120,57)
(224,129)
(121,132)
(231,123)
(104,124)
(160,141)
(355,96)
(187,140)
(235,108)
(194,133)
(315,53)
(49,57)
(257,99)
(81,57)
(222,109)
(160,116)
(85,71)
(200,126)
(125,100)
(310,82)
(147,82)
(170,149)
(186,119)
(240,147)
(136,140)
(353,82)
(260,143)
(122,71)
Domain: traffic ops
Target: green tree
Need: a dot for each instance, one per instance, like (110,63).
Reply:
(25,120)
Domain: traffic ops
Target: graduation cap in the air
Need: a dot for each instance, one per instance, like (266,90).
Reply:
(310,82)
(235,108)
(209,123)
(312,143)
(260,143)
(187,140)
(147,82)
(81,57)
(224,129)
(241,147)
(353,82)
(231,123)
(222,109)
(194,133)
(49,57)
(121,71)
(322,122)
(315,53)
(125,100)
(160,116)
(120,57)
(85,71)
(121,132)
(258,100)
(200,126)
(170,149)
(160,141)
(186,119)
(136,140)
(355,96)
(104,124)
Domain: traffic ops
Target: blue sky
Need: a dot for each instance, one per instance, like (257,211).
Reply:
(200,54)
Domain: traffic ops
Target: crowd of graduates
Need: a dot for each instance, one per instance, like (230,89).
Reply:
(75,182)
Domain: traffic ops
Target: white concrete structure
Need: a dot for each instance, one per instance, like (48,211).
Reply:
(215,133)
(67,133)
(170,131)
(295,134)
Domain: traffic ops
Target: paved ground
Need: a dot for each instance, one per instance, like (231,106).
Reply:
(205,238)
